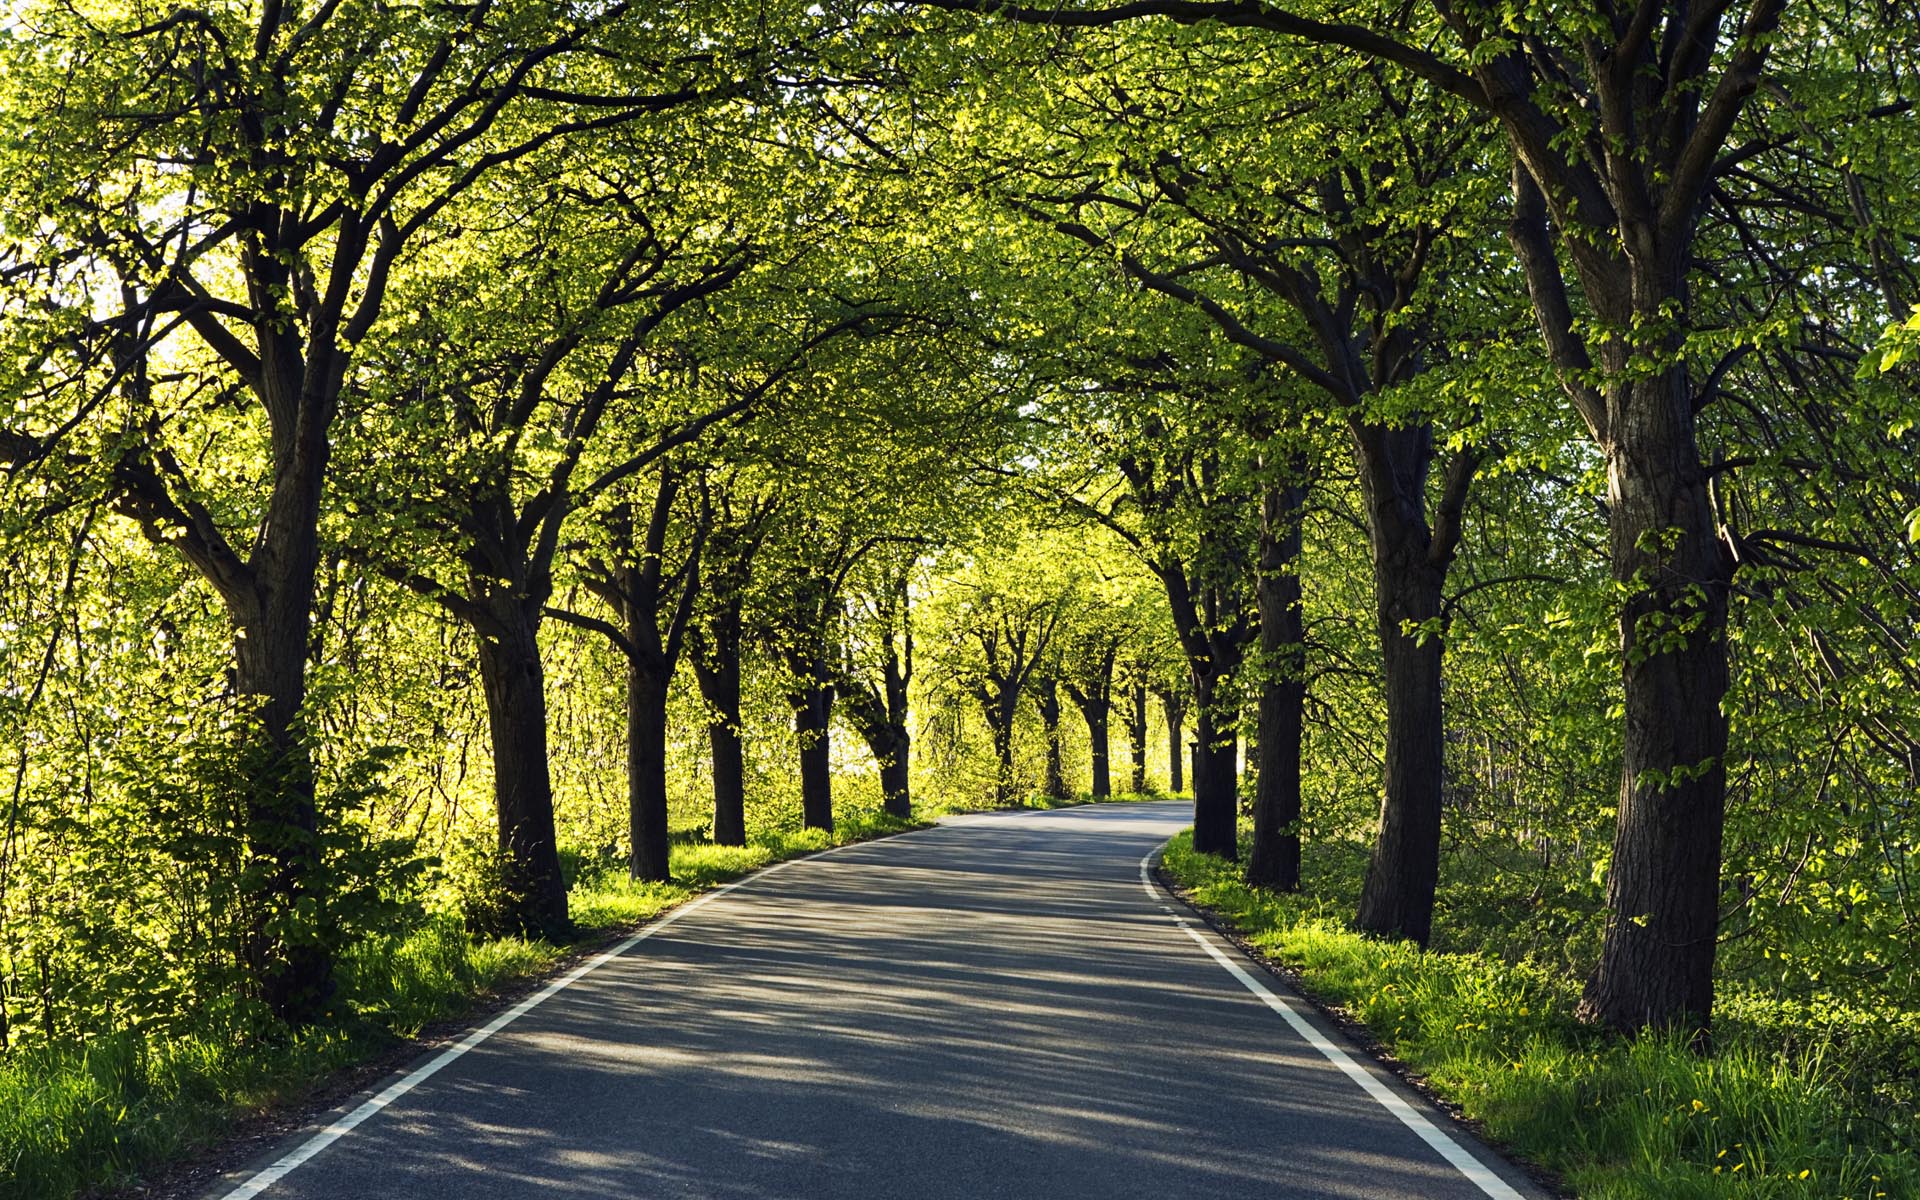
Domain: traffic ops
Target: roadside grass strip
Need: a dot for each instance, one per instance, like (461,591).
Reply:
(1762,1117)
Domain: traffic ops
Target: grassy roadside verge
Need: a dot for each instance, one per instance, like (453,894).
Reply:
(94,1117)
(1617,1121)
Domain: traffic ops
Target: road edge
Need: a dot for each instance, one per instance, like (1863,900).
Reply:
(1356,1036)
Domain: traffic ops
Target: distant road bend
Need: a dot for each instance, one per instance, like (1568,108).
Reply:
(999,1007)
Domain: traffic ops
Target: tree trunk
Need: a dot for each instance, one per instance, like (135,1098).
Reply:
(1046,696)
(880,714)
(813,721)
(729,782)
(891,745)
(896,783)
(647,771)
(1000,716)
(1397,901)
(1135,720)
(1663,889)
(535,894)
(1275,861)
(1098,715)
(292,968)
(716,666)
(1176,714)
(1216,780)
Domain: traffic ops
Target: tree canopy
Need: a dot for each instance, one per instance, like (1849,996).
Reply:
(453,454)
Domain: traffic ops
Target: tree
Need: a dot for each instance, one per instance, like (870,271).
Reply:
(654,606)
(1618,122)
(879,674)
(1000,633)
(497,431)
(1275,860)
(739,524)
(1089,684)
(294,179)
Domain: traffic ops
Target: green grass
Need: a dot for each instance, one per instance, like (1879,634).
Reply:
(96,1116)
(1767,1115)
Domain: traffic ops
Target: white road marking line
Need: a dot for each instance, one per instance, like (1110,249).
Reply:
(1449,1149)
(273,1174)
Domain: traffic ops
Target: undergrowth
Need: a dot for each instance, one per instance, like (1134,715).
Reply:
(1789,1104)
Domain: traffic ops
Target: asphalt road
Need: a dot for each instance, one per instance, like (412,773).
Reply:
(994,1008)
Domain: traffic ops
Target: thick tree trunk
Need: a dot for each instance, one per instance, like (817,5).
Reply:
(729,782)
(535,900)
(1663,888)
(647,771)
(892,747)
(1098,715)
(1095,702)
(1135,720)
(1275,861)
(896,772)
(1397,901)
(896,784)
(292,969)
(813,722)
(1216,780)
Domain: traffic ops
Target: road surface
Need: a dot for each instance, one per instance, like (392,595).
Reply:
(998,1007)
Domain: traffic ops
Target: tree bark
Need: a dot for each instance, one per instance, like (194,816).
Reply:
(716,665)
(1095,702)
(881,713)
(890,742)
(896,774)
(1411,558)
(1216,779)
(1275,860)
(813,722)
(1663,888)
(1098,715)
(647,771)
(514,681)
(1397,900)
(1000,716)
(292,968)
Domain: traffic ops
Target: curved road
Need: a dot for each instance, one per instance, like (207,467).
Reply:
(994,1008)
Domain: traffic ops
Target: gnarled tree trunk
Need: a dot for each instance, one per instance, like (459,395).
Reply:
(1401,877)
(647,771)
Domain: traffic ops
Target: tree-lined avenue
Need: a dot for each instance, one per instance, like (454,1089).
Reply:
(991,1008)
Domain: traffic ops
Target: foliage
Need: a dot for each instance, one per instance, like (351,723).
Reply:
(956,347)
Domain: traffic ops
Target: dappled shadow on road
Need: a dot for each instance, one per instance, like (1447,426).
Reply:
(995,1009)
